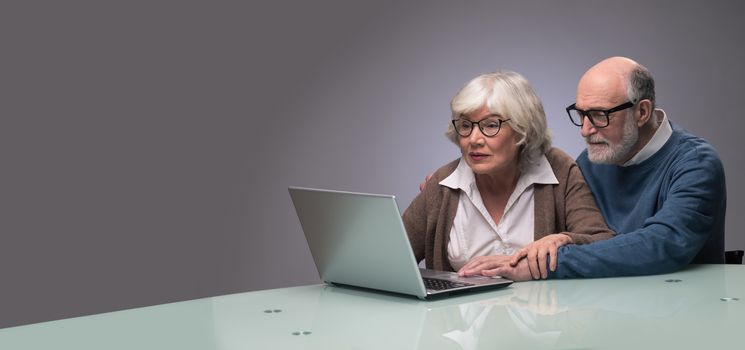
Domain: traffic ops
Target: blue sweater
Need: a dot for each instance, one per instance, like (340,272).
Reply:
(668,212)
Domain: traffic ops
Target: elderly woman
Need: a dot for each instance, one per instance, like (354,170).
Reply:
(508,193)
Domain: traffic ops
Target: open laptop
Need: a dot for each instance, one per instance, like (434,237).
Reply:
(359,240)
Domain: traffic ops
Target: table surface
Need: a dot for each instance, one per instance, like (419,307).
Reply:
(698,308)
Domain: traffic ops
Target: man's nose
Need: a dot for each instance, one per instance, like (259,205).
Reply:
(587,127)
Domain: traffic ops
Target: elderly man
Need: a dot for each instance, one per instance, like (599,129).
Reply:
(659,187)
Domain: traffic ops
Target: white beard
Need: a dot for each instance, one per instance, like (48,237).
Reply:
(606,153)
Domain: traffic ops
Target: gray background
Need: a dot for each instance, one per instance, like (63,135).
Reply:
(146,147)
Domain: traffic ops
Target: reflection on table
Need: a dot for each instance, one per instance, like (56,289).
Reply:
(691,309)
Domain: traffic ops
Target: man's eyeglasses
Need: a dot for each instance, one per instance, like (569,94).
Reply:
(599,118)
(489,126)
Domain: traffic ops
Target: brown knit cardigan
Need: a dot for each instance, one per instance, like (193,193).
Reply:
(567,207)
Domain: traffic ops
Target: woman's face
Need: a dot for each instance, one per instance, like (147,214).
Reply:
(490,155)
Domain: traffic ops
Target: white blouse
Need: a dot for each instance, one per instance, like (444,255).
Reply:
(474,232)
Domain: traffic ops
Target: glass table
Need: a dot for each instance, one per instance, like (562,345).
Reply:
(700,307)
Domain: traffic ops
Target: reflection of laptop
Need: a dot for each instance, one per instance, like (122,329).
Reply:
(359,240)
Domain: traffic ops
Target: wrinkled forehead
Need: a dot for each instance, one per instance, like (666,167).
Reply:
(601,90)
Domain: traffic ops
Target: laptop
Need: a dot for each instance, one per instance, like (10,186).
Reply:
(359,240)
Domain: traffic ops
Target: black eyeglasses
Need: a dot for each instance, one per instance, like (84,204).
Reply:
(599,118)
(489,126)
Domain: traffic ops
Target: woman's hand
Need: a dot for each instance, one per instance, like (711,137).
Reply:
(537,251)
(484,265)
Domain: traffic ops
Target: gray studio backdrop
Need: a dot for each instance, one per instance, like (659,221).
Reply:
(146,147)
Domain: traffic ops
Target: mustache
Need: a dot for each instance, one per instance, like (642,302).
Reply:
(595,139)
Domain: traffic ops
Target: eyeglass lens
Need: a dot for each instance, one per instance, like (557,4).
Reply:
(488,126)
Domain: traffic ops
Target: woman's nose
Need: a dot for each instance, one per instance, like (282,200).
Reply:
(476,137)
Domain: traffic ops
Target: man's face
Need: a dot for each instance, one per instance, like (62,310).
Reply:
(613,143)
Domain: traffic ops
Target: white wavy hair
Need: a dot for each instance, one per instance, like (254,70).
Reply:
(508,94)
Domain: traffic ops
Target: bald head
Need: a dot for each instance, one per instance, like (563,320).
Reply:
(618,63)
(605,84)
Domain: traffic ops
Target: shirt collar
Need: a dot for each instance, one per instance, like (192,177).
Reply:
(539,173)
(661,135)
(461,179)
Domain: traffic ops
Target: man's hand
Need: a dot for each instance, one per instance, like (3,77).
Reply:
(517,273)
(423,185)
(536,252)
(479,265)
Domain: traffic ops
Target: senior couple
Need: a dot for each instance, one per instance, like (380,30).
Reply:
(645,197)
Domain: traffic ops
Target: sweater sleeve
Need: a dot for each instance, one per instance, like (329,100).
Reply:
(414,218)
(425,206)
(585,223)
(667,241)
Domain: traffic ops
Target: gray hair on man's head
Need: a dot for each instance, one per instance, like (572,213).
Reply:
(507,94)
(640,85)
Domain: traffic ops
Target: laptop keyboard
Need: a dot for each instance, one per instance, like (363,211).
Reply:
(438,284)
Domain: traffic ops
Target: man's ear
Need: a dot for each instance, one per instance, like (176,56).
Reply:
(645,112)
